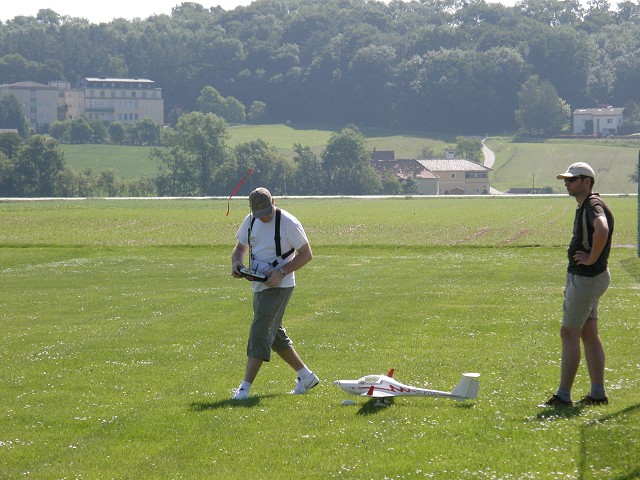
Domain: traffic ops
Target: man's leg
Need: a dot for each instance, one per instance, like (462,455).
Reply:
(595,356)
(250,373)
(292,358)
(252,369)
(306,378)
(570,360)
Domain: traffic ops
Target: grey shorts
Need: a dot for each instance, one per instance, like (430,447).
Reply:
(266,331)
(581,298)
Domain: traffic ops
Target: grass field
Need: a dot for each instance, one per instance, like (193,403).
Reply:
(127,161)
(124,334)
(537,164)
(518,164)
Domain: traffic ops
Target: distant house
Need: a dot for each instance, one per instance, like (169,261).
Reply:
(426,180)
(597,121)
(436,177)
(459,176)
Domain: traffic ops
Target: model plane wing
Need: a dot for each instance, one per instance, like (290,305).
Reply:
(372,392)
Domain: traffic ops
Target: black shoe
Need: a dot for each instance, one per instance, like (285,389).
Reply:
(588,401)
(554,402)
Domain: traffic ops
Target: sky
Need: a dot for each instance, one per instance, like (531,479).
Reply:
(106,11)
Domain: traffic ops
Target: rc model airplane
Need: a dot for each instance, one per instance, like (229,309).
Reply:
(381,386)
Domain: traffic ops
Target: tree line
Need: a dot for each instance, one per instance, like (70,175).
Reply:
(429,65)
(196,160)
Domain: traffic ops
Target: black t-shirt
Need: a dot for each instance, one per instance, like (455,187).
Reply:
(592,207)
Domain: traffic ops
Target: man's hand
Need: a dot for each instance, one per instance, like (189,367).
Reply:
(235,269)
(582,258)
(237,259)
(275,277)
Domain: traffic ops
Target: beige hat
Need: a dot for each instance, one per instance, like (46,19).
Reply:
(261,202)
(577,170)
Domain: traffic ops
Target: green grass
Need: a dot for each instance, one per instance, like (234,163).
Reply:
(127,161)
(518,164)
(529,164)
(123,335)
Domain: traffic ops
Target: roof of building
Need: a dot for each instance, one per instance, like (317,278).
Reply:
(383,155)
(453,165)
(598,111)
(109,79)
(29,85)
(404,168)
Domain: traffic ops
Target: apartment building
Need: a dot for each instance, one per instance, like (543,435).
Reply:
(39,102)
(107,99)
(122,100)
(70,100)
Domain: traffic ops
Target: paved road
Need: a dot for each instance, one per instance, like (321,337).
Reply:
(489,160)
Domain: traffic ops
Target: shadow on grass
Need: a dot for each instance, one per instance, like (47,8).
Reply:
(559,412)
(609,446)
(227,402)
(632,267)
(375,405)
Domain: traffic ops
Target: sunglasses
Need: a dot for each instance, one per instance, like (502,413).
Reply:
(573,179)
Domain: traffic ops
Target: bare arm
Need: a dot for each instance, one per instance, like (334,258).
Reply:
(237,259)
(303,256)
(600,235)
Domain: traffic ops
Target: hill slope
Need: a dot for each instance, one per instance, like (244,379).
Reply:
(517,164)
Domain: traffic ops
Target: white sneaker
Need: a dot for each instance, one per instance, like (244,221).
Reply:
(303,386)
(240,394)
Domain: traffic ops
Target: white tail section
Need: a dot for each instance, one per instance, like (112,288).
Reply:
(467,388)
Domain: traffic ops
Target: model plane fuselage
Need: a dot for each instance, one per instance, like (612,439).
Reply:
(381,386)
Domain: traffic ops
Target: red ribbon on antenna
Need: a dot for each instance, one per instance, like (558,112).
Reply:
(235,190)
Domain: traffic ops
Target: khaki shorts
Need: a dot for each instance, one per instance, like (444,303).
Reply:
(581,298)
(266,331)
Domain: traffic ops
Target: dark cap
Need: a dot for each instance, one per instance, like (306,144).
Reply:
(261,202)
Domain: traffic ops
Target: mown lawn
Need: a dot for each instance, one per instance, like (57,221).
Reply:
(124,334)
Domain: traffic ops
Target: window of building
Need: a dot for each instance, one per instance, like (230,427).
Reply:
(453,175)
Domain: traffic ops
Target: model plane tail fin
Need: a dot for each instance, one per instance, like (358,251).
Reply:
(467,388)
(390,374)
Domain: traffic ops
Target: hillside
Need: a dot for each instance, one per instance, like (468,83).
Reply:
(517,164)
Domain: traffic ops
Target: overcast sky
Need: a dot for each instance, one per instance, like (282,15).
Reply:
(106,11)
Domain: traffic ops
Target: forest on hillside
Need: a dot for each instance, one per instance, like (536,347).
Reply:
(431,65)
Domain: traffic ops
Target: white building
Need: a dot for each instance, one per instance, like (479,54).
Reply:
(597,121)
